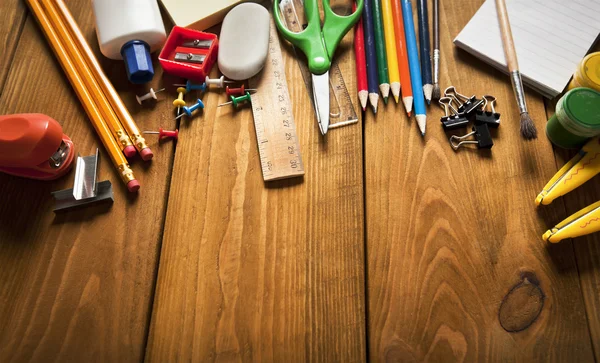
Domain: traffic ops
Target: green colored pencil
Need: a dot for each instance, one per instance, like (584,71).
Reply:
(382,67)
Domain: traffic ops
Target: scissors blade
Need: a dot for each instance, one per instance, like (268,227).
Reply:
(320,85)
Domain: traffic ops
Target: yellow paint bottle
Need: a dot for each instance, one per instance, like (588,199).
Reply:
(588,73)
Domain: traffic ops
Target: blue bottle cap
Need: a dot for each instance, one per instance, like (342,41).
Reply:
(138,63)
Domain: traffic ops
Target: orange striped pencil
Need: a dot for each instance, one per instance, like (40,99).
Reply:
(407,92)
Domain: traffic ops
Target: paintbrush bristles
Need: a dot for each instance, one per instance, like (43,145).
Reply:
(436,92)
(528,129)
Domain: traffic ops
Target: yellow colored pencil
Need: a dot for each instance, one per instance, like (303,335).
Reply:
(390,48)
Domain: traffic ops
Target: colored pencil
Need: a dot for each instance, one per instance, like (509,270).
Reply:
(413,60)
(425,48)
(382,66)
(361,62)
(390,48)
(407,94)
(371,57)
(436,50)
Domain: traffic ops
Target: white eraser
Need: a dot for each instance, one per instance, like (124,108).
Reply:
(244,41)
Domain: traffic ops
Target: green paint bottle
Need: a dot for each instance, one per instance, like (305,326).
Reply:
(577,118)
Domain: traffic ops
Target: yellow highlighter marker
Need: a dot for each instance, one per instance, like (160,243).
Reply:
(390,48)
(584,222)
(583,167)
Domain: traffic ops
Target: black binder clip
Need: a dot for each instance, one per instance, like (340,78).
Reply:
(452,119)
(481,134)
(490,118)
(466,105)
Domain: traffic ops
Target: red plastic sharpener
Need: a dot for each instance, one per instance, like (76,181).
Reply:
(189,54)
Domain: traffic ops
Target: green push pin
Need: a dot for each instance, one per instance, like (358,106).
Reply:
(237,100)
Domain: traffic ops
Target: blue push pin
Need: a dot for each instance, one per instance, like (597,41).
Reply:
(188,110)
(189,86)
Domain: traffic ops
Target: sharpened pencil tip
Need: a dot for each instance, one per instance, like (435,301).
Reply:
(385,100)
(374,100)
(427,91)
(396,98)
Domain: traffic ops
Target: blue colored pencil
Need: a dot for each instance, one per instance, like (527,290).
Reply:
(372,77)
(423,16)
(413,62)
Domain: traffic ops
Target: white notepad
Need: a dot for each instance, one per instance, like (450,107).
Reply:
(551,38)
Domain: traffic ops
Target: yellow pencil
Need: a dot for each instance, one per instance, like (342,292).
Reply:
(390,48)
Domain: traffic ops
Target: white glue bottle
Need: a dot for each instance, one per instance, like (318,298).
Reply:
(130,30)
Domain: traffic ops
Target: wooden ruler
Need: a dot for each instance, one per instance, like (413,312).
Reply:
(341,109)
(278,146)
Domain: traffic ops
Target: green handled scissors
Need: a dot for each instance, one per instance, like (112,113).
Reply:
(319,44)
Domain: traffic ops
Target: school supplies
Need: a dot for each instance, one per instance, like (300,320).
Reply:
(86,188)
(584,222)
(452,119)
(191,86)
(583,167)
(218,82)
(482,138)
(151,94)
(179,101)
(34,146)
(189,54)
(341,108)
(551,37)
(528,130)
(278,146)
(390,48)
(189,110)
(237,101)
(199,15)
(164,134)
(371,55)
(577,118)
(361,62)
(423,17)
(130,30)
(588,73)
(319,45)
(382,65)
(54,26)
(415,69)
(490,118)
(436,50)
(407,93)
(238,91)
(244,41)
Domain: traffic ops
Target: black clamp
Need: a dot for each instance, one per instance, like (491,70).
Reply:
(466,105)
(452,119)
(490,118)
(481,134)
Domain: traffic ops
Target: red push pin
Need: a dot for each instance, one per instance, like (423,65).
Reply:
(238,91)
(162,134)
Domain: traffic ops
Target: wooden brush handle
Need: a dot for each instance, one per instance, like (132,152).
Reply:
(507,38)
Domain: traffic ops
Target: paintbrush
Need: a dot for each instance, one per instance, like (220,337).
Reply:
(436,50)
(528,129)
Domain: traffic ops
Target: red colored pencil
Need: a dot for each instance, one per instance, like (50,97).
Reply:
(361,62)
(407,92)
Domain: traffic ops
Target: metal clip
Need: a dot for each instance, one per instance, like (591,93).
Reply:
(198,43)
(59,156)
(492,119)
(481,133)
(452,119)
(466,105)
(190,57)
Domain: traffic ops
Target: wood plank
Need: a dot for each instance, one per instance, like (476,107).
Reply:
(259,272)
(78,287)
(12,18)
(456,264)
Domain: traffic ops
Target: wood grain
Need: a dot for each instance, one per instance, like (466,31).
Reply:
(457,267)
(77,286)
(259,272)
(12,18)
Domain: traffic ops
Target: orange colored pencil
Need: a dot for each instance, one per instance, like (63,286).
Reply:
(407,93)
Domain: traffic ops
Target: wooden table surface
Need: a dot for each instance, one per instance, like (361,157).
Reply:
(391,248)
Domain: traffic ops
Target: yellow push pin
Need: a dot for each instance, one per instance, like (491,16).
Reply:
(179,102)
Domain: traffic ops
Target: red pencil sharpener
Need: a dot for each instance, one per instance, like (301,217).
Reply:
(189,54)
(34,146)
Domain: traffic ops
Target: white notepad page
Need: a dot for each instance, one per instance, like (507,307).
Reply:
(551,38)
